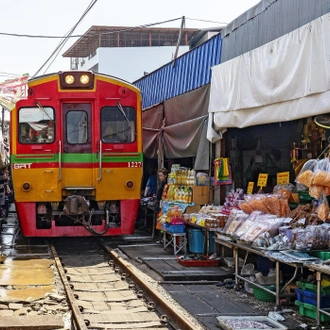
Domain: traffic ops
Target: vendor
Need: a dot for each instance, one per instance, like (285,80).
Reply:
(162,181)
(151,186)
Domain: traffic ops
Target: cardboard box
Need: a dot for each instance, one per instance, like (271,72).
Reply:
(202,195)
(192,209)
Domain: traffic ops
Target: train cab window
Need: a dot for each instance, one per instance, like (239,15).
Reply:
(36,125)
(118,124)
(76,127)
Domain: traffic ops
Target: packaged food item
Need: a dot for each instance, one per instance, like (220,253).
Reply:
(323,208)
(306,174)
(321,173)
(315,191)
(235,219)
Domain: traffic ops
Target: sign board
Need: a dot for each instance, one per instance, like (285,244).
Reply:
(13,90)
(250,187)
(262,179)
(283,177)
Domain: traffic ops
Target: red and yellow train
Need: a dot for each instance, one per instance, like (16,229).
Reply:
(76,155)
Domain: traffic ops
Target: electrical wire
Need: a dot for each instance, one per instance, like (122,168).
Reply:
(82,35)
(65,39)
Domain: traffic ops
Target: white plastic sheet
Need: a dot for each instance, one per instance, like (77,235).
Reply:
(283,80)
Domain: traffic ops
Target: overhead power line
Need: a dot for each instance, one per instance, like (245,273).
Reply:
(110,32)
(65,39)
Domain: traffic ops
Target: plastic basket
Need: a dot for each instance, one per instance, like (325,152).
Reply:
(324,255)
(262,295)
(173,228)
(304,197)
(176,221)
(325,290)
(198,263)
(309,310)
(310,297)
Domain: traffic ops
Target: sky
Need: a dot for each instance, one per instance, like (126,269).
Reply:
(45,18)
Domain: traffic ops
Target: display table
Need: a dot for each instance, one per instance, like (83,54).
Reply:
(319,270)
(279,292)
(177,240)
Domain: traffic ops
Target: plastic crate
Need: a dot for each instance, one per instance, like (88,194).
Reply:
(262,295)
(310,297)
(173,228)
(309,310)
(324,255)
(325,290)
(176,221)
(304,197)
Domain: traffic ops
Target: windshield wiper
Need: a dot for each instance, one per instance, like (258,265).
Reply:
(124,114)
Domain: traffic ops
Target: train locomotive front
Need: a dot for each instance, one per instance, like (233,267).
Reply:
(76,155)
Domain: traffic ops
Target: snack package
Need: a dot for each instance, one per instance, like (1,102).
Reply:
(321,171)
(306,174)
(235,219)
(316,191)
(286,190)
(323,208)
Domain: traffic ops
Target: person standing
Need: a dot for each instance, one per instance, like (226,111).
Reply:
(151,186)
(162,178)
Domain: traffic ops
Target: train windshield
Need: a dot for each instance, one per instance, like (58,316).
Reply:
(76,122)
(36,125)
(118,124)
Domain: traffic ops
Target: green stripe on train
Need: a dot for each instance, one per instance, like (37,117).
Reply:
(73,158)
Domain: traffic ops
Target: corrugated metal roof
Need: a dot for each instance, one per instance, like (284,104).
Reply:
(267,21)
(191,70)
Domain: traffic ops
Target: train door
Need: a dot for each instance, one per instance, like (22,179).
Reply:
(77,156)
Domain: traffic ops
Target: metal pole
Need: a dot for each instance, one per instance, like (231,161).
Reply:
(3,121)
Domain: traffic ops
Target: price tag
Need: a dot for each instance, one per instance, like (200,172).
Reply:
(262,179)
(193,219)
(250,187)
(283,177)
(202,223)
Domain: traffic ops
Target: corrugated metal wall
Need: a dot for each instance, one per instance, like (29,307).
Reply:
(192,70)
(268,20)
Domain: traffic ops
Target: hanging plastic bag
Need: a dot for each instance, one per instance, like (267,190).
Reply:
(306,174)
(323,208)
(321,170)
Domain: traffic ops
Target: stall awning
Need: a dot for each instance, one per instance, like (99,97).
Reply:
(285,79)
(181,123)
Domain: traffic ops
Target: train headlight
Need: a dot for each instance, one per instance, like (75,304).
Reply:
(76,80)
(69,79)
(26,186)
(84,79)
(129,184)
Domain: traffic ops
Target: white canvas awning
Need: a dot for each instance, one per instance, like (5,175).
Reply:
(285,79)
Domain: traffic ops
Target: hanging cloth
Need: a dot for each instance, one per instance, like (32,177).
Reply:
(222,171)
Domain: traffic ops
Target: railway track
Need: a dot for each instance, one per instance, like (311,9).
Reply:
(107,292)
(79,284)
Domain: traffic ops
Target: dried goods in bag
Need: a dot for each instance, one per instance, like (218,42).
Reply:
(306,174)
(321,173)
(323,208)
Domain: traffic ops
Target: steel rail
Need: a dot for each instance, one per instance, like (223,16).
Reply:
(77,316)
(175,317)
